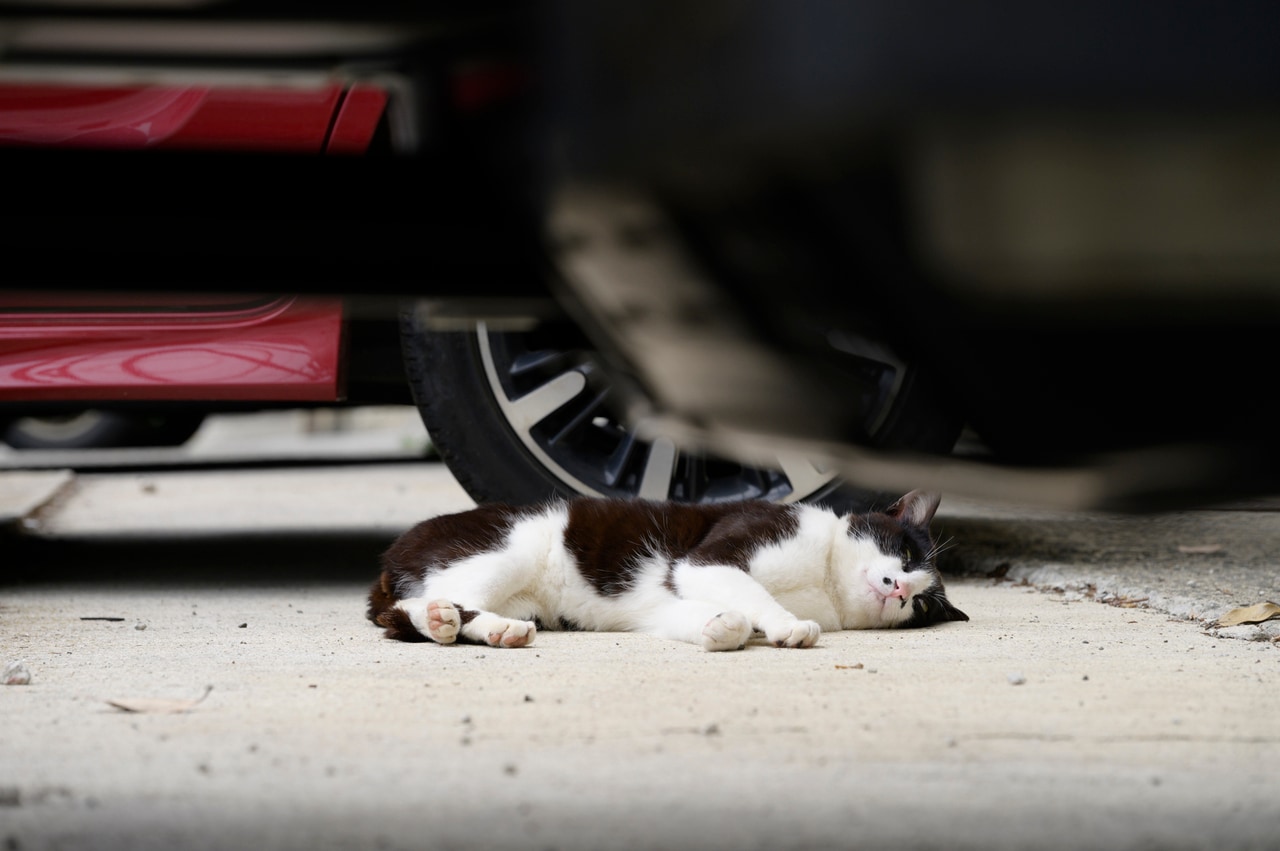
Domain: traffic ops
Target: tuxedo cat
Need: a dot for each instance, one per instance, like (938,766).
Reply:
(706,574)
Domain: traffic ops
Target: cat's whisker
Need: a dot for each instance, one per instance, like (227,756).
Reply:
(939,548)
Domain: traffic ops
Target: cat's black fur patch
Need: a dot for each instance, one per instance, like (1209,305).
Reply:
(604,535)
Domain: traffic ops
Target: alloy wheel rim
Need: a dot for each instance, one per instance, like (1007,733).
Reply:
(558,404)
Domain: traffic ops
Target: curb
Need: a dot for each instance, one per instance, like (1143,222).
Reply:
(25,492)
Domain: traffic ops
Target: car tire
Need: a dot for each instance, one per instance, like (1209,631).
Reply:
(522,417)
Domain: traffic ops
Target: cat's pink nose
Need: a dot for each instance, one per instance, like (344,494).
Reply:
(899,590)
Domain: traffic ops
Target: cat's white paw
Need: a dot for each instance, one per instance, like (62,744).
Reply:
(443,621)
(726,631)
(510,633)
(792,633)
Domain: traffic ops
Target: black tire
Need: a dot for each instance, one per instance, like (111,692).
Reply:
(94,429)
(470,387)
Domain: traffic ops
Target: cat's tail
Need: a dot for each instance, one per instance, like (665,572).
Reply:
(384,612)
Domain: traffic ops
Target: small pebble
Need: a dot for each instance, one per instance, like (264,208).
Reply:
(139,626)
(1016,679)
(15,674)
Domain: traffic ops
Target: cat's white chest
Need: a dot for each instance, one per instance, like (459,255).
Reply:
(796,570)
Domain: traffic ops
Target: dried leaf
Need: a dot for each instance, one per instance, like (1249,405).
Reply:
(1199,549)
(159,705)
(857,666)
(1250,614)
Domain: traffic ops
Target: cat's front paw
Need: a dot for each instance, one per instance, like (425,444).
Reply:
(726,631)
(792,633)
(443,621)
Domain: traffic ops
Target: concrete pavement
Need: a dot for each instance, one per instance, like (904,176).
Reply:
(1050,720)
(1041,723)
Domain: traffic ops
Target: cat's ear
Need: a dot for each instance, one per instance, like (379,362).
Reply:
(916,508)
(931,608)
(950,612)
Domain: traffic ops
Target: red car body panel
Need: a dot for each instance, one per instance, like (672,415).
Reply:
(357,118)
(273,349)
(105,347)
(293,119)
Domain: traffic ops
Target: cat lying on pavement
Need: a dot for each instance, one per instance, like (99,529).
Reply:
(710,574)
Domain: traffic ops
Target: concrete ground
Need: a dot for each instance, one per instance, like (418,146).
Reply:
(1089,703)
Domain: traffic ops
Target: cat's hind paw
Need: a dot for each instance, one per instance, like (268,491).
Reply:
(513,634)
(726,631)
(793,633)
(443,621)
(497,631)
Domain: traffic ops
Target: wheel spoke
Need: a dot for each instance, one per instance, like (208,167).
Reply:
(580,419)
(617,461)
(805,478)
(696,477)
(543,360)
(655,482)
(534,407)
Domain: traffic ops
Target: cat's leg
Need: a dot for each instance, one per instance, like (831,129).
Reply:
(444,622)
(731,588)
(497,631)
(438,620)
(461,603)
(698,622)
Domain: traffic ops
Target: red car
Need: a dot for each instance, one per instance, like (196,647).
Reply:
(109,349)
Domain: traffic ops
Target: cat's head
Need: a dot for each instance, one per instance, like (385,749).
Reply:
(895,582)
